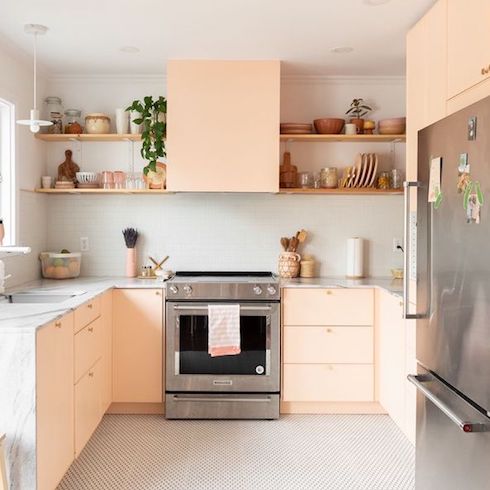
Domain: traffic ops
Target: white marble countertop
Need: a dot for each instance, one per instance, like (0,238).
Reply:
(27,317)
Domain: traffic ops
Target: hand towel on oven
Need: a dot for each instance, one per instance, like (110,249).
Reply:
(224,330)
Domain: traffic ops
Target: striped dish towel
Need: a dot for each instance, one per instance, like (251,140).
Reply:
(224,330)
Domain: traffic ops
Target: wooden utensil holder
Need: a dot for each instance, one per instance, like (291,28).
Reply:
(289,264)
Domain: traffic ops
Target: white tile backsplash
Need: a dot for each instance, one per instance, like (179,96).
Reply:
(225,231)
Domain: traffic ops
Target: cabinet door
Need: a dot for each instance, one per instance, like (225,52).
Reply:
(223,126)
(88,403)
(138,345)
(106,318)
(54,401)
(468,44)
(391,363)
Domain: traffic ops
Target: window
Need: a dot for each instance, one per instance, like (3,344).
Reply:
(7,170)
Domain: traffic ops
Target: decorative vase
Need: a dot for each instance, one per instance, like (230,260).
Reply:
(359,122)
(131,270)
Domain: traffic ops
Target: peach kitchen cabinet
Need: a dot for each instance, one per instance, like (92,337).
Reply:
(396,359)
(223,126)
(106,315)
(138,345)
(54,401)
(327,345)
(468,44)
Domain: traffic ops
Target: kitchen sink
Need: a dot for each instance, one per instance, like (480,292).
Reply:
(42,296)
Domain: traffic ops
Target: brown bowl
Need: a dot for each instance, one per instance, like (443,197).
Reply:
(395,125)
(329,125)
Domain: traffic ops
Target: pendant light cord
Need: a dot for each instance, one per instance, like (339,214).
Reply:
(35,70)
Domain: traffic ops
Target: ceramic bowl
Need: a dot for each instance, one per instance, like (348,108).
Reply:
(395,125)
(329,125)
(87,177)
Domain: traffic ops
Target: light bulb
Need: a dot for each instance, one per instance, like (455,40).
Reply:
(34,127)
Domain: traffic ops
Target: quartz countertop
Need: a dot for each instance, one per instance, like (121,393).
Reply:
(27,317)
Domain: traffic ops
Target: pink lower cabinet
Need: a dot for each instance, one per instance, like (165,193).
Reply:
(327,348)
(88,405)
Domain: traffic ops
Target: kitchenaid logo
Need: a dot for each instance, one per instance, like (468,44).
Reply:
(222,382)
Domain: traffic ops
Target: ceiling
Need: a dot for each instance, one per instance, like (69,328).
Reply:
(86,37)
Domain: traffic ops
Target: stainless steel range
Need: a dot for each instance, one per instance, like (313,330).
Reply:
(242,386)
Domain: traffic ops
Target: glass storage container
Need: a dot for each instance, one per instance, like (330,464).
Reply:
(72,124)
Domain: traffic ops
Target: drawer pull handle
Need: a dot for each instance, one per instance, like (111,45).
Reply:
(329,291)
(90,305)
(90,329)
(158,293)
(483,71)
(57,324)
(329,330)
(91,374)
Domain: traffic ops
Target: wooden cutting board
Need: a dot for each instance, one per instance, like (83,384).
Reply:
(288,173)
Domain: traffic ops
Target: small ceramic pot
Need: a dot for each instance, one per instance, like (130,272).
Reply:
(359,122)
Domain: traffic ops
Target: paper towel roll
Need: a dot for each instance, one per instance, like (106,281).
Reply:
(355,257)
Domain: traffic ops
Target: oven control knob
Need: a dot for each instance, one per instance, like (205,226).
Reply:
(271,290)
(257,290)
(174,289)
(187,290)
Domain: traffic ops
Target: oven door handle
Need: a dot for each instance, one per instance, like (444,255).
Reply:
(242,308)
(218,399)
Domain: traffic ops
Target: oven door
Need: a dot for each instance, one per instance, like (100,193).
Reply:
(191,368)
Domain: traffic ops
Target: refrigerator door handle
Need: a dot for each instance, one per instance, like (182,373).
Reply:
(466,425)
(406,249)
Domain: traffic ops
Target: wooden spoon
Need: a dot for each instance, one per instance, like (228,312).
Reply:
(301,236)
(293,244)
(285,243)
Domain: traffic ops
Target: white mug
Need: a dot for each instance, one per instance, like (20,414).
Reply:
(121,121)
(46,181)
(350,128)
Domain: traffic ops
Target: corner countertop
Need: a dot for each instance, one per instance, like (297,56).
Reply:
(26,318)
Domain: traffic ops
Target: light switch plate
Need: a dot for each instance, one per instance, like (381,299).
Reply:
(84,244)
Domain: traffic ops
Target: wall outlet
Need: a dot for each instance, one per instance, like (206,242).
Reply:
(396,243)
(84,245)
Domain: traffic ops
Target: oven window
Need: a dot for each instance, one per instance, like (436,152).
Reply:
(194,357)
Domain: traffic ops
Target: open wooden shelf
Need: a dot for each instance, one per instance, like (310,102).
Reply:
(364,191)
(102,191)
(88,137)
(345,138)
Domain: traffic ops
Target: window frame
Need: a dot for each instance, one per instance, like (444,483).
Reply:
(8,194)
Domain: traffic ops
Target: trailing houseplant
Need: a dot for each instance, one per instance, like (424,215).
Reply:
(154,130)
(357,110)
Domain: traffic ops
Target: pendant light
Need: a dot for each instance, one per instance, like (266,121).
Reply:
(34,122)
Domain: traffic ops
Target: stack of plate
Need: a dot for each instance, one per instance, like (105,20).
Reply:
(295,128)
(362,174)
(64,184)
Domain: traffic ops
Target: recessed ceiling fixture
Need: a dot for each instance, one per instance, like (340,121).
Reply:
(34,122)
(341,49)
(375,3)
(129,49)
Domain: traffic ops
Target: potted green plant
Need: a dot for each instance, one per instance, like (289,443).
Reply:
(152,118)
(357,110)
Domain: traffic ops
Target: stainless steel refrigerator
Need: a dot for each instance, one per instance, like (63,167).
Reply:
(453,302)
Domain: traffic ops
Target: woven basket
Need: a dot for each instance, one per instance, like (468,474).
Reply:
(289,263)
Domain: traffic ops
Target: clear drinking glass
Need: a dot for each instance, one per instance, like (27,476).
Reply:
(306,180)
(119,179)
(396,180)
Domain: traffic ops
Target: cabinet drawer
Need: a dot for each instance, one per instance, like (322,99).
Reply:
(87,313)
(88,401)
(328,383)
(88,347)
(350,345)
(316,306)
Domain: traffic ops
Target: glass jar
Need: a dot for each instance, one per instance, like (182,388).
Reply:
(53,104)
(384,180)
(306,180)
(396,179)
(57,123)
(72,124)
(329,178)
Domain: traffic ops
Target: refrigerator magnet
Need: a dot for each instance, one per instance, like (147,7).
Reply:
(435,179)
(463,172)
(472,202)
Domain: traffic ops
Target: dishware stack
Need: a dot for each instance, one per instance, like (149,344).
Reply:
(87,180)
(362,173)
(295,128)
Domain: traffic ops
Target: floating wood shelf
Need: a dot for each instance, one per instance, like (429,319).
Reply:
(361,191)
(88,137)
(102,191)
(345,138)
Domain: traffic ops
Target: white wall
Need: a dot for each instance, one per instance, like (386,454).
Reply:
(218,231)
(16,87)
